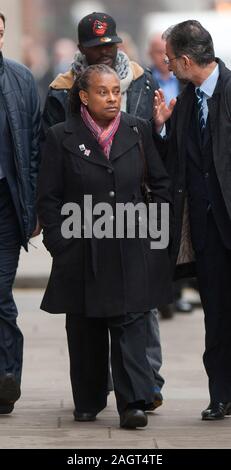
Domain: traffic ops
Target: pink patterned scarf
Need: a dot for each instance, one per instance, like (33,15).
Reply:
(103,136)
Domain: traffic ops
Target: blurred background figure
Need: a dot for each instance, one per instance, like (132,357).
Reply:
(36,58)
(63,53)
(167,81)
(220,5)
(128,46)
(43,66)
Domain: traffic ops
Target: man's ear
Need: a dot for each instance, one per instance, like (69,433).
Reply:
(187,61)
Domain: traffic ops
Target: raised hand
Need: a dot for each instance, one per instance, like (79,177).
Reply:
(161,112)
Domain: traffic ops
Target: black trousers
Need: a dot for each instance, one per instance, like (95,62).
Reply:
(11,338)
(88,345)
(214,279)
(153,349)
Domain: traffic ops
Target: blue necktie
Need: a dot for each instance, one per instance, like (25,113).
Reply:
(200,95)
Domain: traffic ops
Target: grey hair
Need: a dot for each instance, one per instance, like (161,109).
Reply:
(192,39)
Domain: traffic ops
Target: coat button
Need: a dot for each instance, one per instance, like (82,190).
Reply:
(180,190)
(112,194)
(110,171)
(206,175)
(148,87)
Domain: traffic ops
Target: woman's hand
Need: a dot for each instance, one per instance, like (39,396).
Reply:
(161,112)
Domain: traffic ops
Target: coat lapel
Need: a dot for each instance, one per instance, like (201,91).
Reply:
(214,112)
(184,112)
(80,141)
(183,122)
(125,138)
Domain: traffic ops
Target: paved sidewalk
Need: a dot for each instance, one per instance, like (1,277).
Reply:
(43,416)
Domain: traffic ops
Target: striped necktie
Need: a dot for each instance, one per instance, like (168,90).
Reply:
(200,95)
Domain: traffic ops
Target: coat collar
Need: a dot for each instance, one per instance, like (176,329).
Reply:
(77,134)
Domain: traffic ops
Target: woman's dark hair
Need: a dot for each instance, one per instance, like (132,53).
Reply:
(83,81)
(3,18)
(191,39)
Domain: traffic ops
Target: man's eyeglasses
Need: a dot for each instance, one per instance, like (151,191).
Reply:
(168,61)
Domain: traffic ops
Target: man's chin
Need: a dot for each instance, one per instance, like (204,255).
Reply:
(107,62)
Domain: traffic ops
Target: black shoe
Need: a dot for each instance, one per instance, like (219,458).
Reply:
(166,312)
(5,409)
(84,416)
(9,392)
(216,411)
(157,401)
(183,306)
(132,418)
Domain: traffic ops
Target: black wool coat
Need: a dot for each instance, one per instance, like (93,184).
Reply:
(109,276)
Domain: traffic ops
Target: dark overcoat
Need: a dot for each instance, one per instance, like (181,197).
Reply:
(173,151)
(109,276)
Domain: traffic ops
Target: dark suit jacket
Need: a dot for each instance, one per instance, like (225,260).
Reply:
(110,276)
(173,149)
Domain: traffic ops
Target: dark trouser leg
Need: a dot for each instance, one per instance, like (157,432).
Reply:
(131,371)
(88,351)
(153,346)
(214,275)
(110,386)
(177,289)
(11,338)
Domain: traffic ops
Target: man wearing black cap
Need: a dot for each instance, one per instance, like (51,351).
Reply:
(98,45)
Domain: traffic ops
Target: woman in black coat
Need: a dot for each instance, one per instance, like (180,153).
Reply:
(102,282)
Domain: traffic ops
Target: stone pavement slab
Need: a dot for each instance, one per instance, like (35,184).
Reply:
(43,418)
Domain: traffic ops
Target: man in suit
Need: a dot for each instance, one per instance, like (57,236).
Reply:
(197,153)
(98,40)
(171,88)
(19,157)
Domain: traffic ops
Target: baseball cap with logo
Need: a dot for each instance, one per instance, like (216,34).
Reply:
(97,29)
